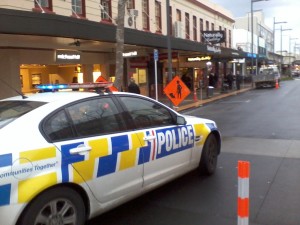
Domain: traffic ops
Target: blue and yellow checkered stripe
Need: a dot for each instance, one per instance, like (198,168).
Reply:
(108,155)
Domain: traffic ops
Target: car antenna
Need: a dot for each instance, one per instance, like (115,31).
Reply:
(20,93)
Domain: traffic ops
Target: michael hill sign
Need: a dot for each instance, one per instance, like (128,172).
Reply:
(213,37)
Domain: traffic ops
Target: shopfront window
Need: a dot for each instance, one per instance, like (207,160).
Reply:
(187,25)
(145,14)
(158,16)
(195,28)
(178,15)
(201,28)
(43,5)
(140,77)
(105,10)
(130,4)
(78,7)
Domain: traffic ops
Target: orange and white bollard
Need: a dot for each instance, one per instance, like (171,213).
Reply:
(276,84)
(195,96)
(243,192)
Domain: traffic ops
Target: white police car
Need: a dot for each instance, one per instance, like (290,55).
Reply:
(66,157)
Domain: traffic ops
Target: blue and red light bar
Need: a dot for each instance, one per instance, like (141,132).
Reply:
(52,87)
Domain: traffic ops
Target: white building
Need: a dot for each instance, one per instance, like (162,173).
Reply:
(31,32)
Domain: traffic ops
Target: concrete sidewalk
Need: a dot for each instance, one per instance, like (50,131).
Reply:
(201,97)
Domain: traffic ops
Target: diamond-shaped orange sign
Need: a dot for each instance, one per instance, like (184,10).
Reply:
(102,79)
(176,91)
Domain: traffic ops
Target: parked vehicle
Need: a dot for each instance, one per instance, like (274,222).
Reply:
(267,77)
(295,73)
(66,157)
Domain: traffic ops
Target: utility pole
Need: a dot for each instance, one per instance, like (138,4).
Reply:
(120,45)
(170,75)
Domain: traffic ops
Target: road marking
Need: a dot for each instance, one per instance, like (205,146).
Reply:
(234,102)
(263,147)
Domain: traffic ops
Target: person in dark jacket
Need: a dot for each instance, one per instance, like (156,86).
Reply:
(238,80)
(133,87)
(230,80)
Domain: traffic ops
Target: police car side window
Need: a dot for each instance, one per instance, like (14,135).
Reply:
(146,113)
(95,117)
(57,127)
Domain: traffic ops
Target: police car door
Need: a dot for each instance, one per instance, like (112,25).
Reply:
(167,147)
(102,153)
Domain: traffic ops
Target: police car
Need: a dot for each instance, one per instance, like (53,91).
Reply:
(66,157)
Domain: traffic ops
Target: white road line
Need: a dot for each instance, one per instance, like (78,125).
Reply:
(263,147)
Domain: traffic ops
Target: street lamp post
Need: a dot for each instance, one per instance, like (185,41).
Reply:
(169,41)
(274,23)
(252,35)
(296,46)
(281,30)
(290,55)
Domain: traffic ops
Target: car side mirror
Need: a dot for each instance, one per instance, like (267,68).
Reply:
(180,120)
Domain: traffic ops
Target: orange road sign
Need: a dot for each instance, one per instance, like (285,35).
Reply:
(102,79)
(176,91)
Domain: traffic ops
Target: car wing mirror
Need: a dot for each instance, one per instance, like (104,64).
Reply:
(180,120)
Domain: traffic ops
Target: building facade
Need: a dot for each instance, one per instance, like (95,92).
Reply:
(263,41)
(55,41)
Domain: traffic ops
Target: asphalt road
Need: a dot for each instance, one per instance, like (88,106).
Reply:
(259,126)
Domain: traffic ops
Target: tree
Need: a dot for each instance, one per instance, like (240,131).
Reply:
(120,44)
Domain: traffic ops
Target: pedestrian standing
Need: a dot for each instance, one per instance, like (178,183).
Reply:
(238,80)
(133,87)
(230,80)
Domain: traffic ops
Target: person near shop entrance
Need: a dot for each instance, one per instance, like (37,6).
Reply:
(238,80)
(211,80)
(187,80)
(230,80)
(133,87)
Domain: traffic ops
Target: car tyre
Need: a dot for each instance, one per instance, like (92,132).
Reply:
(56,206)
(209,156)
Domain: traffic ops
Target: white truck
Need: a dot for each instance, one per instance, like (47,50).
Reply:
(267,77)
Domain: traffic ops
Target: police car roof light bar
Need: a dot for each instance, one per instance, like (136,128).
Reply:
(74,86)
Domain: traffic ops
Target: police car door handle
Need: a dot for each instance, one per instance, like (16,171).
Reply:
(198,138)
(80,149)
(149,138)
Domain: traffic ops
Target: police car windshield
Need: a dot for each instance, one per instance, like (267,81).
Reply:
(11,110)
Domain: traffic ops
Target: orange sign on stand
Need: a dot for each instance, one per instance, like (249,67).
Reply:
(102,79)
(176,91)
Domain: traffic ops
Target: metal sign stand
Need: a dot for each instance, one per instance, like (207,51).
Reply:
(155,53)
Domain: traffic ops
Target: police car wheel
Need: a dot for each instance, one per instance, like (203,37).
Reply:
(209,157)
(57,206)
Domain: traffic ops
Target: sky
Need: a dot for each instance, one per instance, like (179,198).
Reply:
(282,10)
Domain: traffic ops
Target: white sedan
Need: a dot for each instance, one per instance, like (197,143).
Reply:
(66,157)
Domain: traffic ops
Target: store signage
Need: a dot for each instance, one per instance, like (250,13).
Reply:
(67,56)
(213,37)
(238,60)
(198,58)
(250,55)
(164,56)
(130,54)
(214,49)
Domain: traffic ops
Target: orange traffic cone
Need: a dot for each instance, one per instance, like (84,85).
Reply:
(195,96)
(276,84)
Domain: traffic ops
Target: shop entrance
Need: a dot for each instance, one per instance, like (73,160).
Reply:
(34,74)
(151,83)
(194,78)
